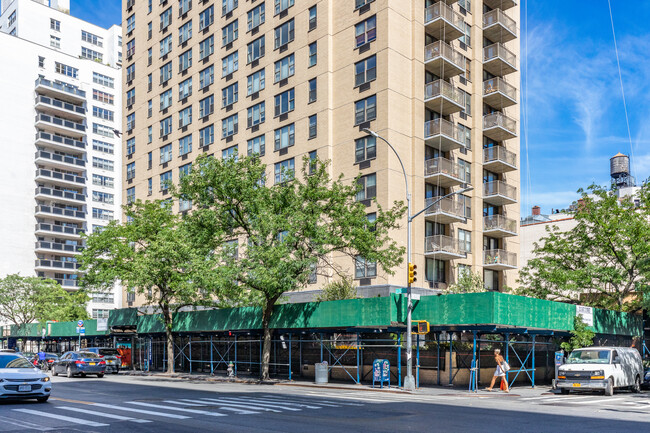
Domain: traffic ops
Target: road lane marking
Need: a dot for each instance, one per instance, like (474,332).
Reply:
(62,418)
(242,401)
(67,400)
(25,424)
(353,398)
(142,411)
(188,402)
(283,402)
(602,400)
(102,414)
(185,403)
(319,402)
(239,411)
(223,404)
(179,409)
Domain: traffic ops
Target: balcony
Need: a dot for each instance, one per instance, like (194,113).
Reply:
(45,229)
(503,4)
(59,90)
(56,265)
(444,247)
(498,60)
(443,135)
(56,247)
(443,172)
(67,283)
(57,107)
(499,27)
(442,22)
(442,97)
(442,60)
(58,178)
(43,211)
(499,94)
(45,193)
(499,127)
(60,125)
(59,142)
(446,211)
(499,260)
(499,193)
(65,162)
(498,159)
(498,226)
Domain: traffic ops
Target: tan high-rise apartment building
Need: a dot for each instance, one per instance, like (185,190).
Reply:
(290,78)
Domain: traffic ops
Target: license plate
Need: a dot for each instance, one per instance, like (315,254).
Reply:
(576,385)
(91,363)
(24,388)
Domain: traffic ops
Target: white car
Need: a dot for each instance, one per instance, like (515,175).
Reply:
(19,379)
(601,368)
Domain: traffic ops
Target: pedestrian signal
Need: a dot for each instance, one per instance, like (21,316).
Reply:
(421,327)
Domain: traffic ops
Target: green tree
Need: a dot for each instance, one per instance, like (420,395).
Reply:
(25,300)
(603,261)
(581,336)
(468,282)
(154,256)
(282,233)
(338,290)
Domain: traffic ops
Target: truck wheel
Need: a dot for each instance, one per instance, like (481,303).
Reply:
(564,391)
(609,390)
(637,385)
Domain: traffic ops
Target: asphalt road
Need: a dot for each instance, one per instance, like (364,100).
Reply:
(140,404)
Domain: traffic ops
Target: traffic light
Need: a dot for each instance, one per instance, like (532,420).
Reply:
(412,273)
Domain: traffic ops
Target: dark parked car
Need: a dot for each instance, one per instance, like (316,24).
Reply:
(46,363)
(110,355)
(82,363)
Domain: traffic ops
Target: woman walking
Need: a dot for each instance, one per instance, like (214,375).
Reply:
(502,367)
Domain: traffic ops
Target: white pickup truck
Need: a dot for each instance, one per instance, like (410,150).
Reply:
(601,368)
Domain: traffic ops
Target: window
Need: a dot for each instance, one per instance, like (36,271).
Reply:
(313,17)
(103,80)
(149,82)
(256,17)
(41,61)
(256,146)
(284,171)
(149,134)
(12,19)
(282,5)
(54,24)
(256,114)
(166,153)
(130,23)
(230,95)
(284,34)
(284,68)
(165,18)
(229,126)
(130,126)
(206,136)
(104,97)
(66,70)
(361,3)
(285,137)
(365,110)
(102,146)
(166,73)
(106,181)
(149,6)
(365,71)
(206,77)
(185,32)
(130,170)
(150,108)
(150,186)
(230,64)
(184,170)
(465,240)
(55,41)
(366,31)
(185,61)
(105,131)
(313,54)
(230,33)
(229,153)
(465,171)
(185,117)
(256,82)
(465,135)
(104,164)
(255,50)
(103,197)
(103,113)
(130,48)
(130,146)
(166,126)
(466,100)
(313,161)
(206,18)
(165,99)
(165,180)
(368,185)
(185,89)
(206,106)
(206,47)
(149,160)
(466,38)
(130,72)
(284,102)
(165,45)
(313,126)
(435,271)
(365,149)
(185,145)
(149,30)
(87,53)
(364,268)
(184,6)
(228,6)
(313,90)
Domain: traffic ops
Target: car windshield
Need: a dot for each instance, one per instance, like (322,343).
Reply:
(14,362)
(108,352)
(87,355)
(589,357)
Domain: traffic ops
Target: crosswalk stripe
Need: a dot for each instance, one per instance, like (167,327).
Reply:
(142,411)
(602,400)
(319,403)
(284,402)
(239,411)
(328,399)
(252,404)
(179,409)
(535,398)
(184,403)
(104,415)
(198,403)
(352,398)
(62,418)
(223,404)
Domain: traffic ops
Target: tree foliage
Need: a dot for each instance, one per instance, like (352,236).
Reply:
(581,336)
(26,300)
(468,282)
(338,290)
(154,256)
(270,238)
(603,262)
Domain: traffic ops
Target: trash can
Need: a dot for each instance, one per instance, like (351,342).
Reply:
(321,372)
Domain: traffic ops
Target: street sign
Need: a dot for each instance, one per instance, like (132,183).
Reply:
(102,324)
(80,323)
(78,329)
(415,297)
(401,291)
(82,330)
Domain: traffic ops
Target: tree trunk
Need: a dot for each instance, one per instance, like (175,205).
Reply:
(266,347)
(168,323)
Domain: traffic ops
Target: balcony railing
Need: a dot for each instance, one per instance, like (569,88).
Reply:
(499,222)
(67,282)
(442,127)
(442,22)
(499,259)
(73,90)
(61,212)
(443,166)
(60,194)
(498,85)
(61,122)
(505,60)
(60,139)
(64,230)
(61,104)
(496,16)
(60,176)
(442,88)
(502,4)
(57,246)
(500,188)
(499,154)
(445,244)
(444,50)
(502,126)
(60,158)
(43,263)
(447,205)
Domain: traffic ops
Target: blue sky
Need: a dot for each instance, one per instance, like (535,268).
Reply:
(576,120)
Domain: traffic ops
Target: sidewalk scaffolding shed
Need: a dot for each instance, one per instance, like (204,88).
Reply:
(349,335)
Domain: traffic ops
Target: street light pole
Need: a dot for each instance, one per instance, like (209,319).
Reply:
(409,380)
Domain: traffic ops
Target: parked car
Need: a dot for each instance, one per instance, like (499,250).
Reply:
(601,368)
(111,356)
(46,362)
(79,363)
(646,379)
(20,380)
